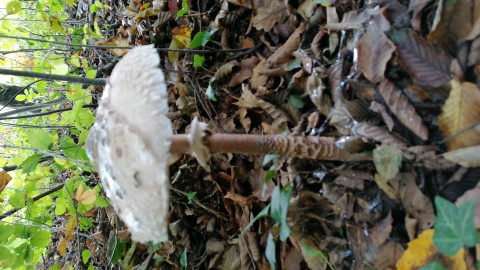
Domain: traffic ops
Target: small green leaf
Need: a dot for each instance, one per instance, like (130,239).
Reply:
(20,97)
(200,39)
(270,251)
(198,61)
(190,196)
(454,227)
(17,200)
(29,164)
(184,9)
(40,139)
(13,7)
(60,206)
(388,160)
(85,256)
(183,259)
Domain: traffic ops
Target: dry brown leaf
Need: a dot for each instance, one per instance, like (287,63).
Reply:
(4,179)
(266,16)
(375,50)
(225,70)
(70,227)
(467,157)
(245,72)
(62,247)
(244,120)
(381,231)
(460,111)
(259,78)
(453,27)
(85,197)
(378,134)
(426,64)
(402,109)
(416,204)
(285,53)
(379,108)
(115,41)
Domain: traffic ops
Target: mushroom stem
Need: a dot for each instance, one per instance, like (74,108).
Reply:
(289,146)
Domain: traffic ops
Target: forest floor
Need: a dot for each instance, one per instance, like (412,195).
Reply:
(396,81)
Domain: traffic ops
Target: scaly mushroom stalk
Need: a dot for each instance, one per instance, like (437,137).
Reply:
(132,137)
(310,147)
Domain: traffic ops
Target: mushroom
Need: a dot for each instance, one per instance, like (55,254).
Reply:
(132,137)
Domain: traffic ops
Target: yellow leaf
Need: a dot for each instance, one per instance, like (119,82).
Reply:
(182,34)
(70,227)
(461,110)
(421,251)
(87,197)
(62,247)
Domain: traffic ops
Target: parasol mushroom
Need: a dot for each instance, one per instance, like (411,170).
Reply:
(132,137)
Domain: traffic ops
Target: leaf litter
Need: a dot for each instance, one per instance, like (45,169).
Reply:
(397,90)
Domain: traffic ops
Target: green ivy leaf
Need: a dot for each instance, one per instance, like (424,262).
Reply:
(270,251)
(13,7)
(432,266)
(40,139)
(454,227)
(29,164)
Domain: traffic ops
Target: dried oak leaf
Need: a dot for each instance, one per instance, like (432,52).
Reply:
(461,111)
(426,64)
(268,14)
(402,109)
(375,50)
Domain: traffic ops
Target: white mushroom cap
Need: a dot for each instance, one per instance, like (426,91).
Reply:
(130,142)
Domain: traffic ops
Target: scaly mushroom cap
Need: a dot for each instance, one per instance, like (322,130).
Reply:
(130,141)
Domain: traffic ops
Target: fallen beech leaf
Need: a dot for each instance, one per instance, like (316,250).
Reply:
(283,54)
(374,50)
(181,39)
(245,72)
(461,110)
(378,134)
(115,41)
(428,65)
(403,110)
(266,16)
(416,204)
(467,157)
(422,251)
(87,197)
(70,227)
